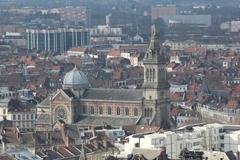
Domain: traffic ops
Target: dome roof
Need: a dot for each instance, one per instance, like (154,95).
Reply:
(75,79)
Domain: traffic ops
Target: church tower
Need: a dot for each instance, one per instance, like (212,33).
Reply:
(156,102)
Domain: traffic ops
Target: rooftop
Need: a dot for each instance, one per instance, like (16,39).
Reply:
(113,94)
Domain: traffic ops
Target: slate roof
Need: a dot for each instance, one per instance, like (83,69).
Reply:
(113,94)
(17,105)
(69,93)
(43,119)
(100,121)
(6,123)
(45,102)
(71,131)
(231,155)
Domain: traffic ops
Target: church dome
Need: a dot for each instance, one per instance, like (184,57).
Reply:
(75,79)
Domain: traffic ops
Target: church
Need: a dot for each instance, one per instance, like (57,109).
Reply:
(78,103)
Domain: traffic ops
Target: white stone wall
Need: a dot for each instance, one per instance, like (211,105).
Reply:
(202,138)
(178,88)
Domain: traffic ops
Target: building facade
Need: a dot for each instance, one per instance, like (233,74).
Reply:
(16,38)
(78,103)
(20,111)
(210,137)
(57,40)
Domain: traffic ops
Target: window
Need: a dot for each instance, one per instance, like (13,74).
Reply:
(126,111)
(196,143)
(23,117)
(14,117)
(145,112)
(135,112)
(100,110)
(118,111)
(32,116)
(156,141)
(150,112)
(19,117)
(222,137)
(27,116)
(92,110)
(137,145)
(147,75)
(109,110)
(84,109)
(153,75)
(27,124)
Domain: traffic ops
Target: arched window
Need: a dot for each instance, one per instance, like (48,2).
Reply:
(92,110)
(150,114)
(126,111)
(150,79)
(145,112)
(109,110)
(153,75)
(84,109)
(118,111)
(100,110)
(147,74)
(135,112)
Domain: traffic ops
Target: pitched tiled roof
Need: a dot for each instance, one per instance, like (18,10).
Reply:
(195,49)
(113,94)
(78,49)
(115,53)
(232,104)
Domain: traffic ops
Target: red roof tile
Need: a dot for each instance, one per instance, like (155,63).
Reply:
(115,53)
(195,49)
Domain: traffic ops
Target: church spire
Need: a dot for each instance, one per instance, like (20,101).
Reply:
(155,86)
(155,53)
(155,42)
(154,30)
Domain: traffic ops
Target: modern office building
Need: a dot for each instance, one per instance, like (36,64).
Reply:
(57,40)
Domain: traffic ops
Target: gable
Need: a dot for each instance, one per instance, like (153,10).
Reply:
(60,96)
